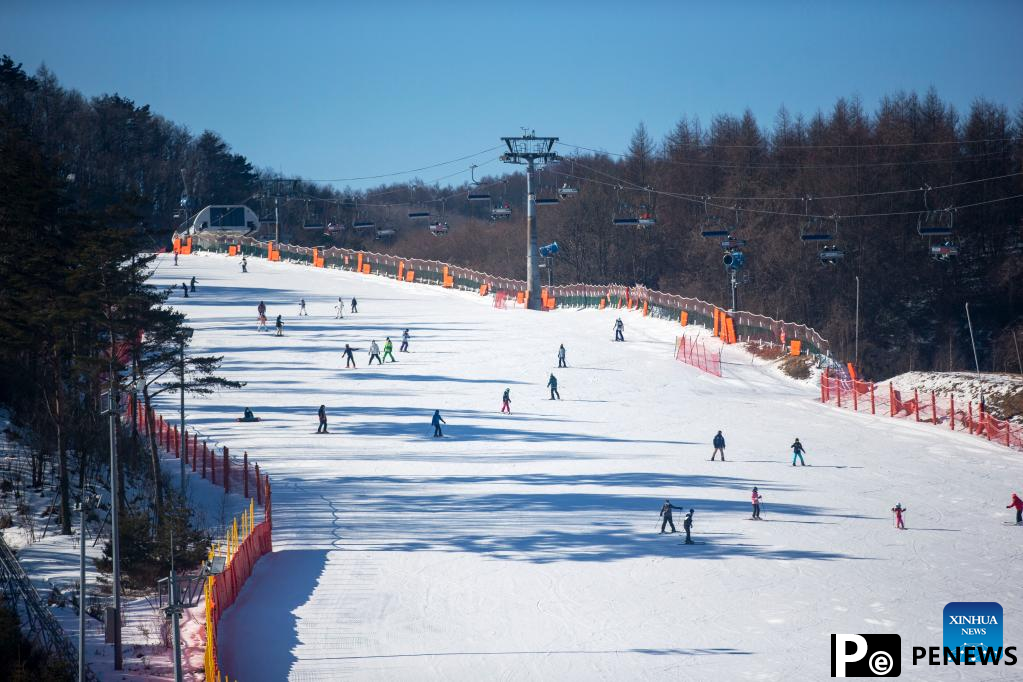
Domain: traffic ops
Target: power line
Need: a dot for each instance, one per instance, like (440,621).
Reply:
(413,170)
(872,145)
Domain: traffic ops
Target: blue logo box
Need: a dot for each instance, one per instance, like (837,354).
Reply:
(972,623)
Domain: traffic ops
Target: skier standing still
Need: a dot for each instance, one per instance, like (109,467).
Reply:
(619,330)
(193,284)
(506,401)
(374,352)
(719,446)
(245,264)
(666,515)
(355,305)
(404,342)
(389,349)
(687,524)
(1018,505)
(350,357)
(561,356)
(301,308)
(339,309)
(552,383)
(280,326)
(897,510)
(437,421)
(756,497)
(797,451)
(184,288)
(322,428)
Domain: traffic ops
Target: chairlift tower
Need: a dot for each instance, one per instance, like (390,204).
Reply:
(533,152)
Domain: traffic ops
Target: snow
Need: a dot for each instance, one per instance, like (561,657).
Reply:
(965,386)
(525,547)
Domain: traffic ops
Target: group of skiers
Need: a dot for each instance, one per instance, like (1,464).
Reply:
(666,520)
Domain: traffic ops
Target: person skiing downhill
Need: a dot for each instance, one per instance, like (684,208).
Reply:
(355,305)
(339,309)
(245,264)
(437,421)
(404,342)
(389,349)
(619,330)
(322,428)
(687,524)
(666,515)
(350,361)
(552,383)
(797,451)
(280,326)
(898,509)
(755,498)
(561,356)
(719,446)
(374,352)
(193,284)
(301,308)
(506,401)
(1018,505)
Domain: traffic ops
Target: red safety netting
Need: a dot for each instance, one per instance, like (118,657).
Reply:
(694,352)
(929,407)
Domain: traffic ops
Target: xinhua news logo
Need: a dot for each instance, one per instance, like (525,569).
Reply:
(972,627)
(866,655)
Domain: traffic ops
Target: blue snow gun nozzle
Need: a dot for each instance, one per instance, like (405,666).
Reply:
(549,250)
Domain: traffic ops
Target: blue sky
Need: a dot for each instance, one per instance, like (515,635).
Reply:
(336,89)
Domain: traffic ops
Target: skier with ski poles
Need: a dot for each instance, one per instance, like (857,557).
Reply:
(322,428)
(561,357)
(301,308)
(687,524)
(898,510)
(404,342)
(350,361)
(437,421)
(389,349)
(552,383)
(756,498)
(506,401)
(619,330)
(666,519)
(374,352)
(280,326)
(797,451)
(1018,505)
(719,446)
(193,284)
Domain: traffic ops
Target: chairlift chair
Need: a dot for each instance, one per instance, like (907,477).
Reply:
(623,215)
(501,212)
(730,243)
(935,224)
(415,212)
(814,230)
(711,226)
(830,255)
(438,229)
(566,191)
(944,252)
(474,192)
(384,233)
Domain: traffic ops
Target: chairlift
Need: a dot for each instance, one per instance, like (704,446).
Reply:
(812,229)
(944,252)
(566,191)
(310,223)
(385,233)
(439,229)
(362,220)
(550,200)
(830,255)
(623,215)
(502,210)
(934,223)
(415,212)
(711,226)
(474,193)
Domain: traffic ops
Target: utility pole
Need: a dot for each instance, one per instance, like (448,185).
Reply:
(534,152)
(856,353)
(115,508)
(181,440)
(277,223)
(81,589)
(976,363)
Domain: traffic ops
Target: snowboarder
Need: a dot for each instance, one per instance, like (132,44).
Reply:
(756,498)
(350,362)
(355,305)
(719,446)
(184,288)
(374,352)
(279,324)
(687,524)
(322,428)
(193,284)
(1018,504)
(245,264)
(619,330)
(301,308)
(897,510)
(506,401)
(389,350)
(552,383)
(437,421)
(797,451)
(561,356)
(261,326)
(404,342)
(339,309)
(666,515)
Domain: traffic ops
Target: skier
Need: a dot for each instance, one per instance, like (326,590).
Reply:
(389,349)
(374,352)
(261,327)
(1018,504)
(719,446)
(193,284)
(687,524)
(561,356)
(350,362)
(797,451)
(248,416)
(619,330)
(339,309)
(756,498)
(184,288)
(355,305)
(322,428)
(666,515)
(552,383)
(437,421)
(404,342)
(301,308)
(280,326)
(898,509)
(175,259)
(261,309)
(506,401)
(245,264)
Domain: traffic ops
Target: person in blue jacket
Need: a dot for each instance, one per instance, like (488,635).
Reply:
(797,451)
(437,421)
(552,384)
(719,446)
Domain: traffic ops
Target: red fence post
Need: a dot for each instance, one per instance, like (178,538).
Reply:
(891,399)
(259,488)
(872,410)
(824,379)
(952,411)
(205,451)
(971,418)
(838,388)
(227,471)
(916,403)
(934,410)
(213,466)
(195,446)
(856,403)
(245,472)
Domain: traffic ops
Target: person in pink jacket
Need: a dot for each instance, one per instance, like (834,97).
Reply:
(898,509)
(755,499)
(1018,505)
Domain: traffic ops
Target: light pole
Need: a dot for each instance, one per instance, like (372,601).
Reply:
(976,362)
(115,536)
(856,353)
(532,151)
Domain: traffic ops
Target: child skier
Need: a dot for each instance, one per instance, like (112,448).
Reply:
(301,308)
(280,326)
(437,421)
(355,305)
(687,524)
(561,356)
(374,352)
(898,509)
(756,498)
(261,326)
(1018,504)
(666,515)
(389,349)
(719,446)
(350,361)
(506,401)
(552,383)
(797,451)
(619,330)
(404,342)
(322,428)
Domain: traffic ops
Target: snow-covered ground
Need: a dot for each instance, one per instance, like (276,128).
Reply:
(965,386)
(526,547)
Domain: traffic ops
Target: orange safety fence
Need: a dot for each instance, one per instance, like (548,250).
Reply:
(694,352)
(938,410)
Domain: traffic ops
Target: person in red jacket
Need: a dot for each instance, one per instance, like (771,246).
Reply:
(898,509)
(1018,504)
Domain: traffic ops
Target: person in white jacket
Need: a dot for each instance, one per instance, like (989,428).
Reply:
(374,352)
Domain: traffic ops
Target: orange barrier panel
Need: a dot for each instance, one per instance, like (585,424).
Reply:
(551,303)
(795,346)
(683,317)
(603,303)
(410,275)
(358,262)
(401,270)
(449,282)
(729,330)
(176,245)
(520,297)
(366,268)
(717,322)
(483,290)
(270,250)
(232,251)
(646,308)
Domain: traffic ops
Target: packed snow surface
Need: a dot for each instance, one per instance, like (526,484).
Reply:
(527,546)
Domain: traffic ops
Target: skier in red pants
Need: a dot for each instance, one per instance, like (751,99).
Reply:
(506,401)
(898,509)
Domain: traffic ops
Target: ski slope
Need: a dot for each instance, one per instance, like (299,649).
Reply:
(526,547)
